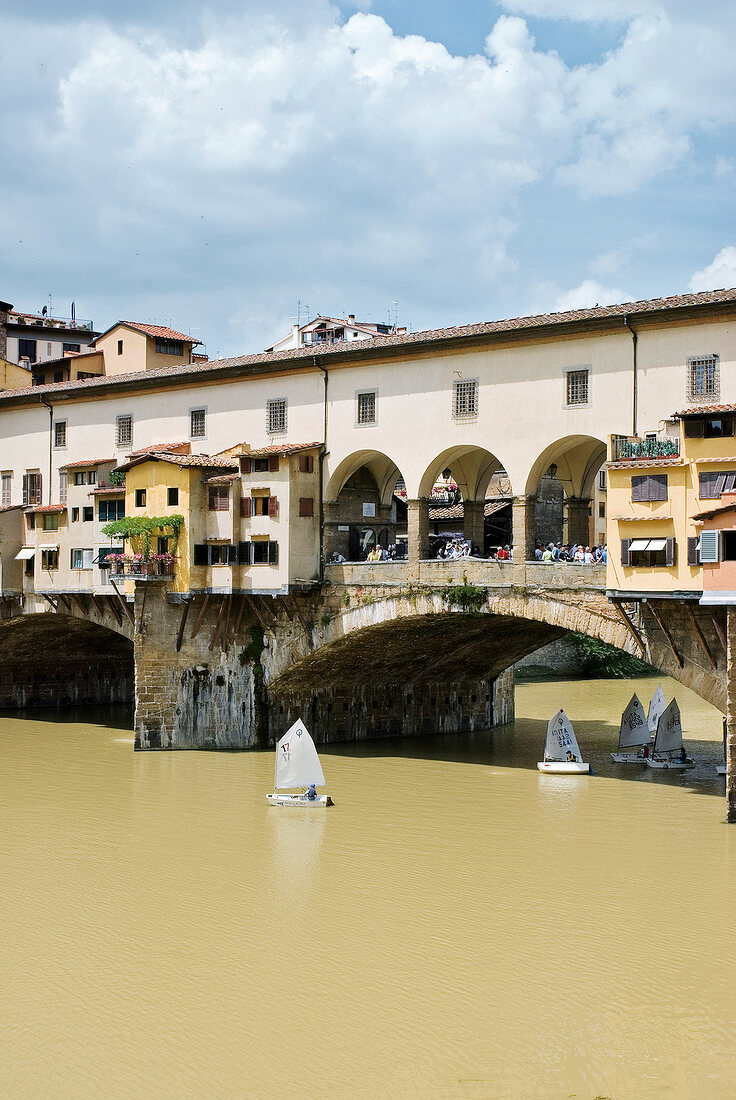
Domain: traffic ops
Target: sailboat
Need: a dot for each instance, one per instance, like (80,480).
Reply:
(297,765)
(633,735)
(668,750)
(656,709)
(562,754)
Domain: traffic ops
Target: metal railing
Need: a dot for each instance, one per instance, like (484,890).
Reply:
(629,447)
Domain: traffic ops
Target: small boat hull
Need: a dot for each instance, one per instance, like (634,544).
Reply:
(320,802)
(564,767)
(628,758)
(670,763)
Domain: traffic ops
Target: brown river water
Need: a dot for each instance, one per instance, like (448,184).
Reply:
(458,925)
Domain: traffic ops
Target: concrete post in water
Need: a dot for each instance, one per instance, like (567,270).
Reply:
(731,715)
(523,512)
(577,521)
(473,517)
(418,530)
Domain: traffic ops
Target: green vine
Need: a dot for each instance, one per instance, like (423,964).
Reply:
(144,528)
(468,596)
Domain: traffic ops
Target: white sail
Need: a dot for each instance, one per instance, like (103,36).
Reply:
(669,730)
(634,730)
(561,739)
(297,763)
(656,709)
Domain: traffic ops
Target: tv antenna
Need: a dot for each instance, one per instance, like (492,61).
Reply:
(301,310)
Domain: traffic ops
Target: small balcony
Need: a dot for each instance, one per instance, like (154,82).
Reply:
(630,448)
(138,568)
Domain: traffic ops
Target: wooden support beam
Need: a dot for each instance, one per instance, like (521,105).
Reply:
(64,600)
(100,609)
(291,601)
(269,609)
(629,626)
(216,631)
(696,626)
(201,615)
(78,601)
(54,606)
(141,617)
(182,624)
(665,630)
(112,606)
(124,603)
(257,612)
(241,609)
(719,630)
(226,628)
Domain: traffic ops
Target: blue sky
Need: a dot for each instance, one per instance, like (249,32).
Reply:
(206,165)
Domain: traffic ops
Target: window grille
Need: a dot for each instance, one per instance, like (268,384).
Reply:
(465,398)
(124,431)
(367,407)
(577,387)
(276,415)
(703,377)
(60,433)
(198,423)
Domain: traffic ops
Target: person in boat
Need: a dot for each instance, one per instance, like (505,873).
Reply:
(571,756)
(682,756)
(311,792)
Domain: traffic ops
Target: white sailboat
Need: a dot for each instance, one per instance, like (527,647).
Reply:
(562,754)
(633,735)
(668,750)
(656,710)
(297,765)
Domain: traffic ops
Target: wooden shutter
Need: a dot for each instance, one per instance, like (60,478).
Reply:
(639,488)
(245,507)
(658,486)
(306,506)
(306,464)
(245,464)
(694,429)
(670,550)
(273,505)
(707,485)
(273,553)
(26,488)
(692,551)
(625,556)
(243,553)
(201,554)
(709,546)
(232,555)
(273,464)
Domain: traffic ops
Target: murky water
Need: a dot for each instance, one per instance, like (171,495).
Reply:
(457,926)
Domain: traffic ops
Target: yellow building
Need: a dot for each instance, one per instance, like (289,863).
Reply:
(657,490)
(130,346)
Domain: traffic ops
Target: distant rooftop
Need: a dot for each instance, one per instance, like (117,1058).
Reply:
(38,320)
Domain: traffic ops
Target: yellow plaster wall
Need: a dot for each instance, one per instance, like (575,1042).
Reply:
(157,478)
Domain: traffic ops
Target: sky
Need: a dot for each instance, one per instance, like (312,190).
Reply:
(218,166)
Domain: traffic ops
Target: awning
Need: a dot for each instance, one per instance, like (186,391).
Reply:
(26,552)
(647,544)
(48,546)
(657,544)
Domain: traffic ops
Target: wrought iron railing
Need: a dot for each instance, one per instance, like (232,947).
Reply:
(142,569)
(627,447)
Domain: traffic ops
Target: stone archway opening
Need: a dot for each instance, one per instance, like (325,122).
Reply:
(365,509)
(561,502)
(464,502)
(59,660)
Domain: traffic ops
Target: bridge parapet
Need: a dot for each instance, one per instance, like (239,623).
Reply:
(486,574)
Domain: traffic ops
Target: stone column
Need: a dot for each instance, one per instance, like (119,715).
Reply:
(473,513)
(418,529)
(731,716)
(523,518)
(577,521)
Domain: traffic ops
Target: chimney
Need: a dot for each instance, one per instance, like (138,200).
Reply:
(351,318)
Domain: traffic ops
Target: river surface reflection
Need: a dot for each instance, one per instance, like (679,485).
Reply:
(457,926)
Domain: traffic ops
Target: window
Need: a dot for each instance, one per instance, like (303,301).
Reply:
(82,559)
(172,496)
(602,481)
(71,347)
(649,487)
(48,347)
(50,559)
(62,486)
(75,515)
(92,477)
(60,433)
(51,522)
(198,423)
(276,415)
(7,488)
(169,347)
(715,482)
(259,505)
(140,498)
(703,377)
(601,510)
(102,557)
(717,427)
(39,379)
(79,478)
(31,488)
(120,347)
(31,521)
(367,407)
(123,431)
(27,350)
(648,553)
(709,547)
(110,510)
(464,398)
(215,554)
(58,376)
(306,464)
(306,506)
(264,552)
(88,514)
(577,387)
(219,498)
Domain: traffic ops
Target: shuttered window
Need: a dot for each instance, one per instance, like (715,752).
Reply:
(219,498)
(306,506)
(709,547)
(306,464)
(649,487)
(715,482)
(31,489)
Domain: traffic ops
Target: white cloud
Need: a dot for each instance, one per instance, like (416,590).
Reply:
(720,274)
(590,293)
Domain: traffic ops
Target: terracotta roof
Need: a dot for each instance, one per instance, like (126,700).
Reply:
(366,349)
(9,507)
(204,462)
(635,463)
(221,479)
(161,331)
(643,519)
(107,490)
(47,508)
(699,410)
(718,458)
(716,511)
(280,449)
(88,462)
(456,511)
(160,447)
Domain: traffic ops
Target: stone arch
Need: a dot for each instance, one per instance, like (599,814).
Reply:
(577,458)
(361,509)
(560,485)
(383,470)
(52,659)
(472,467)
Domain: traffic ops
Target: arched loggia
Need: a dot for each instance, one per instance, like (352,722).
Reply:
(362,508)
